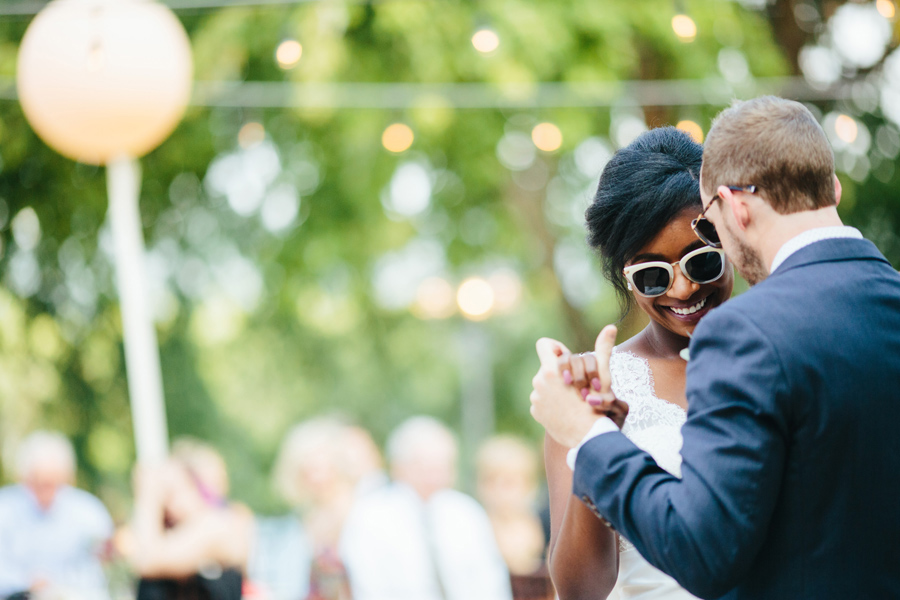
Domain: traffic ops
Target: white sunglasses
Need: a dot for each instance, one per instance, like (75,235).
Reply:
(651,279)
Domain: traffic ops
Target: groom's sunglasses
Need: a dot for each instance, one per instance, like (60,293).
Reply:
(704,229)
(651,279)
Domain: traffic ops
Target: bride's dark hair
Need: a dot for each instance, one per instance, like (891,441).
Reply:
(643,187)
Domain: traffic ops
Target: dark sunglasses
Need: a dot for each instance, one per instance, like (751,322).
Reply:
(704,229)
(651,279)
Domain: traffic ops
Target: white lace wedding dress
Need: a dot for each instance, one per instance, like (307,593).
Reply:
(654,425)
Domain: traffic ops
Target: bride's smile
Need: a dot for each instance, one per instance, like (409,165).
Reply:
(680,302)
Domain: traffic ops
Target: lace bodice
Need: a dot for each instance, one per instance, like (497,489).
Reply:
(653,424)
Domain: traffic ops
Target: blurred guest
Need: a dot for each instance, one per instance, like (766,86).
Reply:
(188,541)
(417,538)
(508,487)
(52,535)
(364,460)
(318,469)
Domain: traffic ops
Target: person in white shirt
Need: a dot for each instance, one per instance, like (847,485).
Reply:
(52,535)
(417,538)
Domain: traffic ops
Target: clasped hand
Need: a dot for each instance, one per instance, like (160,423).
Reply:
(568,407)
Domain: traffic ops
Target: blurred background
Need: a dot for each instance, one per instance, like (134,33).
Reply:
(371,210)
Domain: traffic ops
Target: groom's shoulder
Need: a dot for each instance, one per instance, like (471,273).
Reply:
(808,292)
(756,316)
(738,315)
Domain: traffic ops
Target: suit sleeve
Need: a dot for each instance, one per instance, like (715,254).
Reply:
(706,528)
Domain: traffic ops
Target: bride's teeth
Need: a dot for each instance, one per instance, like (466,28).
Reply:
(690,310)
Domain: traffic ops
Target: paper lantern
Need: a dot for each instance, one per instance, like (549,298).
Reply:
(99,79)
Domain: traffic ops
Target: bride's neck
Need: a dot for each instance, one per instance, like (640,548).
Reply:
(663,342)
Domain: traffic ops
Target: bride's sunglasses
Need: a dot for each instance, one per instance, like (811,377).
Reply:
(704,229)
(651,279)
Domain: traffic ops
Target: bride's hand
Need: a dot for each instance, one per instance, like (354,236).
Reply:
(601,396)
(555,403)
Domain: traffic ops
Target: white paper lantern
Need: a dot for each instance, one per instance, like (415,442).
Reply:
(99,79)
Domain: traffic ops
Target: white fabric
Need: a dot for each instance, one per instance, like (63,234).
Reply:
(651,423)
(600,426)
(654,425)
(812,236)
(386,548)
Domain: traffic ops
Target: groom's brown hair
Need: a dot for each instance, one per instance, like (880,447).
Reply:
(776,145)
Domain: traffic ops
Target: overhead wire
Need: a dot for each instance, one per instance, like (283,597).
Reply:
(391,95)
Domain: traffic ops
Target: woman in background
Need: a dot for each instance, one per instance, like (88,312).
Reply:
(189,542)
(507,470)
(322,466)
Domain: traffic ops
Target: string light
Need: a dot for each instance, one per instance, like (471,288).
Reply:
(846,128)
(434,299)
(507,288)
(251,134)
(486,40)
(546,137)
(397,138)
(288,54)
(886,8)
(684,27)
(475,298)
(692,129)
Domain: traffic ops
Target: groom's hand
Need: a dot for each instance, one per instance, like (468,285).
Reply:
(555,404)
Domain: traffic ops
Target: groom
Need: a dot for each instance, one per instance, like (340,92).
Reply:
(790,483)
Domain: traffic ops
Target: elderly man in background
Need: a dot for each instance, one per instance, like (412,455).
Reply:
(417,538)
(51,534)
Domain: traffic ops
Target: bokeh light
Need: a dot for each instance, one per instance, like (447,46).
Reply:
(625,128)
(684,27)
(821,66)
(26,229)
(515,151)
(288,54)
(886,8)
(397,138)
(434,299)
(547,137)
(486,40)
(692,129)
(846,128)
(475,298)
(251,134)
(409,192)
(860,35)
(507,287)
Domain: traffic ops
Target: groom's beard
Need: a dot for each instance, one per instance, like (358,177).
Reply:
(746,260)
(750,264)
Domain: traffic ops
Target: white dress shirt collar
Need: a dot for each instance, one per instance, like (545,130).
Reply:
(812,236)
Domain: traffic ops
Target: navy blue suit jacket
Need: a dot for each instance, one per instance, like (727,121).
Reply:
(790,482)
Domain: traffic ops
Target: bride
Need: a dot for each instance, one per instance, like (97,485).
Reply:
(640,221)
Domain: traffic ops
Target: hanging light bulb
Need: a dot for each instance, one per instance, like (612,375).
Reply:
(684,27)
(886,8)
(547,137)
(486,40)
(691,128)
(397,138)
(288,54)
(846,128)
(475,298)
